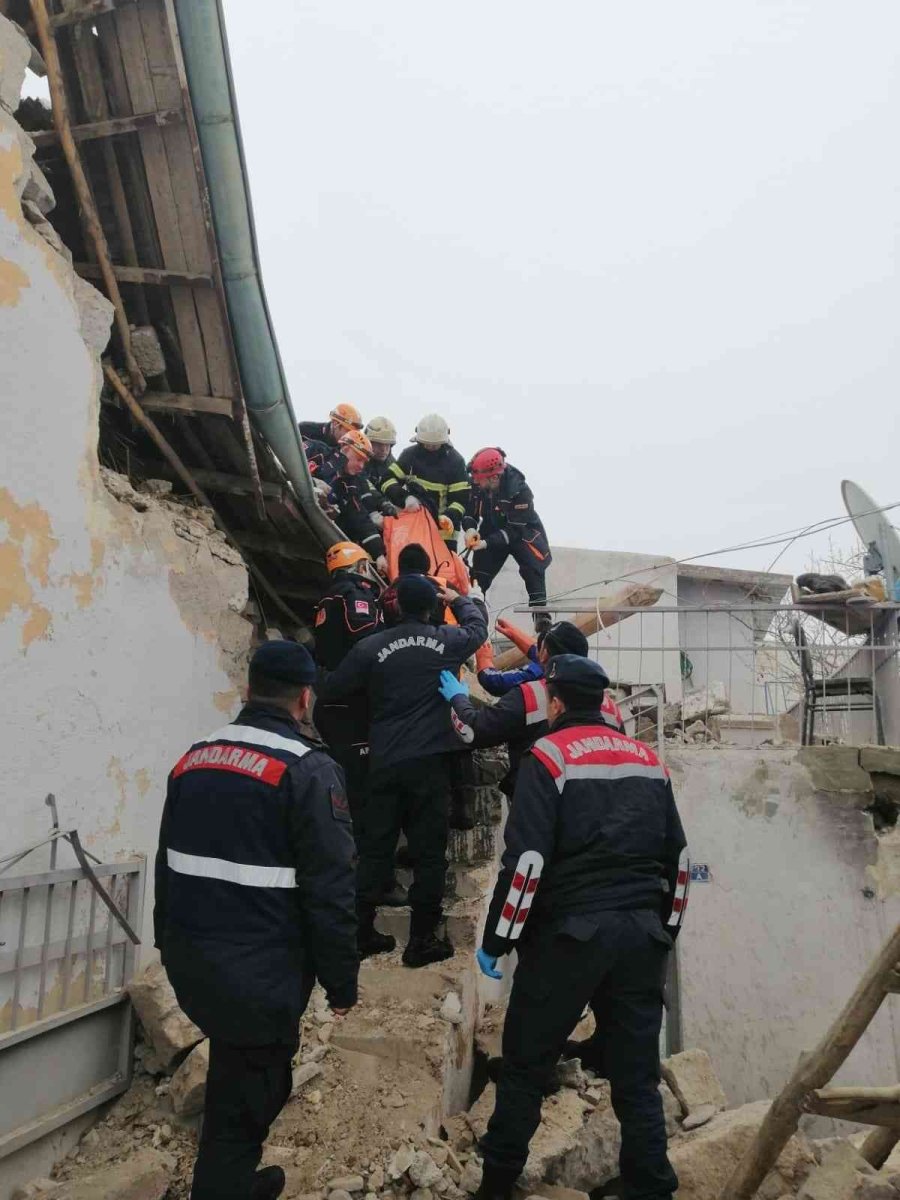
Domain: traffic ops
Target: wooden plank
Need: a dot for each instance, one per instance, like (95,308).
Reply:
(152,276)
(266,544)
(182,405)
(136,72)
(217,481)
(194,217)
(112,127)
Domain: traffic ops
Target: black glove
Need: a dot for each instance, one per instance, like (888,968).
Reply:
(390,510)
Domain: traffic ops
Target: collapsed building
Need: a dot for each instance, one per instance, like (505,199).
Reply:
(157,519)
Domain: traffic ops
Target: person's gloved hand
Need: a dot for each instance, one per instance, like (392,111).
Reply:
(412,504)
(390,510)
(487,964)
(445,525)
(381,565)
(377,519)
(474,541)
(450,686)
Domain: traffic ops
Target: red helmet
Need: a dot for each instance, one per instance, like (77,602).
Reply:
(487,464)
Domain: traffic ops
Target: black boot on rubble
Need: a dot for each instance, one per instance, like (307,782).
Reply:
(496,1184)
(267,1184)
(368,940)
(425,946)
(589,1051)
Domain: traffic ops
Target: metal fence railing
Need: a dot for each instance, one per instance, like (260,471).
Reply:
(751,672)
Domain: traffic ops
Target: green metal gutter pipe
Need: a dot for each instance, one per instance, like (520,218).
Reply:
(201,26)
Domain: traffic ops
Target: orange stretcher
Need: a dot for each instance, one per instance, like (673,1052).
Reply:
(410,527)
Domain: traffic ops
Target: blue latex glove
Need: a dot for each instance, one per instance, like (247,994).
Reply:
(488,964)
(450,686)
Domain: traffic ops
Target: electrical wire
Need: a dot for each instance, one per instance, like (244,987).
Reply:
(788,537)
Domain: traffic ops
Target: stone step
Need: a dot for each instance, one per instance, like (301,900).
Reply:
(462,925)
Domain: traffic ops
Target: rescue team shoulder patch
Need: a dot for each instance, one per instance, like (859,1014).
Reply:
(237,759)
(320,617)
(340,807)
(362,606)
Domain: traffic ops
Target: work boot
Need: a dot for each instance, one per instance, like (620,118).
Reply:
(496,1184)
(462,808)
(426,948)
(267,1184)
(590,1053)
(395,896)
(370,941)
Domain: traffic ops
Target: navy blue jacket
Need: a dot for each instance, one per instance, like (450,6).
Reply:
(593,826)
(400,671)
(255,892)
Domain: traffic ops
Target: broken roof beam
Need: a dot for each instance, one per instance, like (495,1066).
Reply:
(219,481)
(113,127)
(635,596)
(266,544)
(153,276)
(183,405)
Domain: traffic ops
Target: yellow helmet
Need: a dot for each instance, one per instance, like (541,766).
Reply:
(344,554)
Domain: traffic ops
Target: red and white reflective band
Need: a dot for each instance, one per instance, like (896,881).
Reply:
(609,708)
(682,887)
(535,697)
(521,893)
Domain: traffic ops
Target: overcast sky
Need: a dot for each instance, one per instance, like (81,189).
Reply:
(648,249)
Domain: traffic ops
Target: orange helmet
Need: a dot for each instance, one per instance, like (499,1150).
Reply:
(347,416)
(357,441)
(344,554)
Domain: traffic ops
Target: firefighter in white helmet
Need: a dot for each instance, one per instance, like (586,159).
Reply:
(433,473)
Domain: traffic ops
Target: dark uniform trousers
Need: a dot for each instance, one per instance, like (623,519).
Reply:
(344,728)
(246,1089)
(486,566)
(620,970)
(411,797)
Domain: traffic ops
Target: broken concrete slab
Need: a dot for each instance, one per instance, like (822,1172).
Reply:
(705,1158)
(143,1176)
(168,1030)
(838,1176)
(700,1116)
(15,55)
(693,1080)
(188,1088)
(880,760)
(835,769)
(147,350)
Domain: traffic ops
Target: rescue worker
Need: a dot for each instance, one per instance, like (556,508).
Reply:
(520,717)
(342,419)
(340,479)
(382,433)
(412,560)
(434,473)
(410,740)
(348,612)
(501,521)
(254,903)
(591,893)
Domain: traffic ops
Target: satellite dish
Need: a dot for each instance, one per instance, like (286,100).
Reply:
(877,534)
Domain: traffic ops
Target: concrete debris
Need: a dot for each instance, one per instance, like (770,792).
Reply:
(424,1171)
(705,1158)
(691,1077)
(188,1088)
(304,1073)
(35,1189)
(838,1176)
(156,487)
(672,1111)
(15,55)
(147,350)
(347,1183)
(700,1116)
(451,1009)
(471,1177)
(571,1075)
(169,1031)
(401,1162)
(339,1194)
(143,1176)
(95,314)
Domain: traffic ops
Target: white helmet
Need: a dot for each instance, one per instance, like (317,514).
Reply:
(380,429)
(432,430)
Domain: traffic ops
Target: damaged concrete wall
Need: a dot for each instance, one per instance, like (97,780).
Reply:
(802,892)
(121,638)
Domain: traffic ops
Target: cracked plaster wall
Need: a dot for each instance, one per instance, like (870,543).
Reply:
(121,639)
(802,894)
